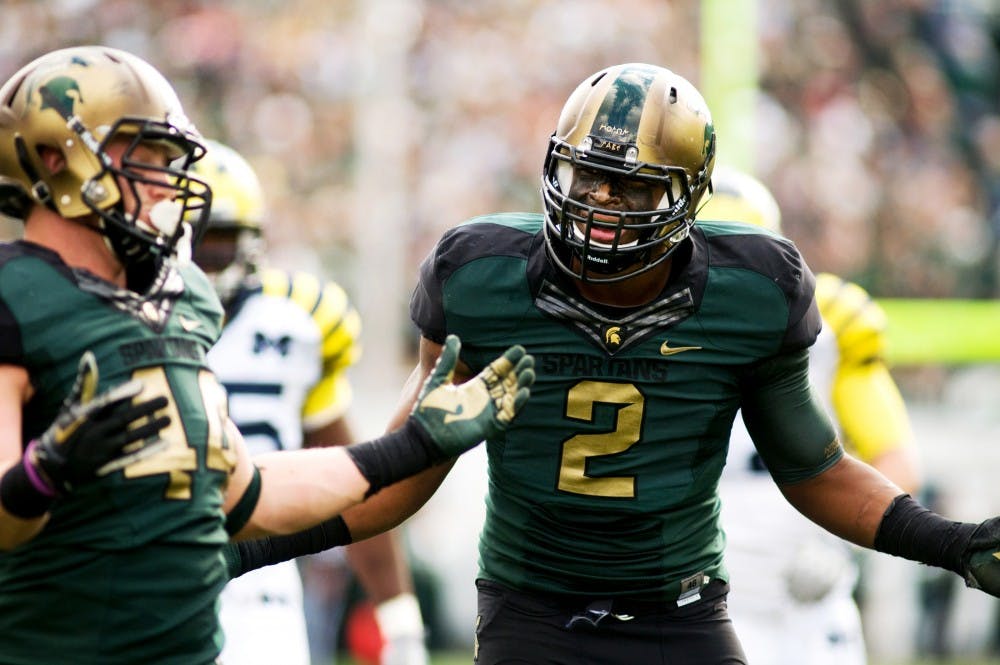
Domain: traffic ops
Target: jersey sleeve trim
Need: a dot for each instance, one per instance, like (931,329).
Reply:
(326,402)
(858,321)
(513,235)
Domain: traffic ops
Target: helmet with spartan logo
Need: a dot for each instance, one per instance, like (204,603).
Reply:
(75,101)
(637,123)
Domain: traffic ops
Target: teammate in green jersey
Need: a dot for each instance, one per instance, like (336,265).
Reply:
(116,507)
(601,542)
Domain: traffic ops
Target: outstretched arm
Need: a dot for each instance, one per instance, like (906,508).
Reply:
(445,421)
(846,496)
(382,569)
(858,503)
(391,507)
(847,500)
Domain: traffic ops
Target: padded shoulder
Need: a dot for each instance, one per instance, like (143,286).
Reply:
(857,321)
(336,319)
(498,237)
(325,301)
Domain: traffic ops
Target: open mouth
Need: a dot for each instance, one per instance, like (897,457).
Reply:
(604,237)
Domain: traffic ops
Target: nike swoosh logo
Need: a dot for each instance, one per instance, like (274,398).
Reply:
(667,350)
(455,406)
(188,324)
(458,413)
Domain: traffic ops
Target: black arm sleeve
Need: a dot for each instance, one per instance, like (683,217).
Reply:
(913,532)
(394,456)
(241,512)
(385,460)
(247,555)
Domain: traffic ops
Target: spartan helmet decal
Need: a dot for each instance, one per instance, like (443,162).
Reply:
(633,122)
(61,94)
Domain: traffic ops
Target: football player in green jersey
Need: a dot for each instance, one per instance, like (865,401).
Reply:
(117,507)
(601,542)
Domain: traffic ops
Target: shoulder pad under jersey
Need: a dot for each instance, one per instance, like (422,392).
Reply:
(857,321)
(338,322)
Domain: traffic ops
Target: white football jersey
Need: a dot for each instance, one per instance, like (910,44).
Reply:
(792,582)
(766,537)
(282,358)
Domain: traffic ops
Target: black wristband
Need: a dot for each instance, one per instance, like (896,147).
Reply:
(913,532)
(394,456)
(247,555)
(237,518)
(20,496)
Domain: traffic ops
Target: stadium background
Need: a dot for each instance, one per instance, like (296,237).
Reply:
(377,124)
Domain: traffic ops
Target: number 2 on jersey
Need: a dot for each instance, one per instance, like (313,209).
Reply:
(578,449)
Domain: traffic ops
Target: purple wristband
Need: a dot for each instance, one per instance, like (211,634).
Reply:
(37,481)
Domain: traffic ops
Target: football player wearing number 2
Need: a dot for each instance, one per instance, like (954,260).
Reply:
(601,542)
(119,491)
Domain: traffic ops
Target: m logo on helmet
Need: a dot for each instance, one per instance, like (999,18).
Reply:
(61,94)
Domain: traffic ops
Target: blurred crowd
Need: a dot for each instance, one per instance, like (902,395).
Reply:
(877,124)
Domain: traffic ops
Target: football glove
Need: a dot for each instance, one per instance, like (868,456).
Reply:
(402,628)
(981,560)
(95,434)
(458,417)
(818,566)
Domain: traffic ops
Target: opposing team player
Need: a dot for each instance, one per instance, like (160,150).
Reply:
(283,356)
(792,600)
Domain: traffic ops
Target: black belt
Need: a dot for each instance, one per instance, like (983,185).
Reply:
(593,609)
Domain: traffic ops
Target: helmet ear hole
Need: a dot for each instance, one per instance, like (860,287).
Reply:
(51,158)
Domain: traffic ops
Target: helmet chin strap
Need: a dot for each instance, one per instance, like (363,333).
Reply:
(184,249)
(227,281)
(125,247)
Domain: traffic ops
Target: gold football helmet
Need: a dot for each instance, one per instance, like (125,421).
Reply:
(232,246)
(76,100)
(635,123)
(737,196)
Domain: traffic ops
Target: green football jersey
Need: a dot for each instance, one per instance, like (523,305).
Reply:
(129,567)
(605,483)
